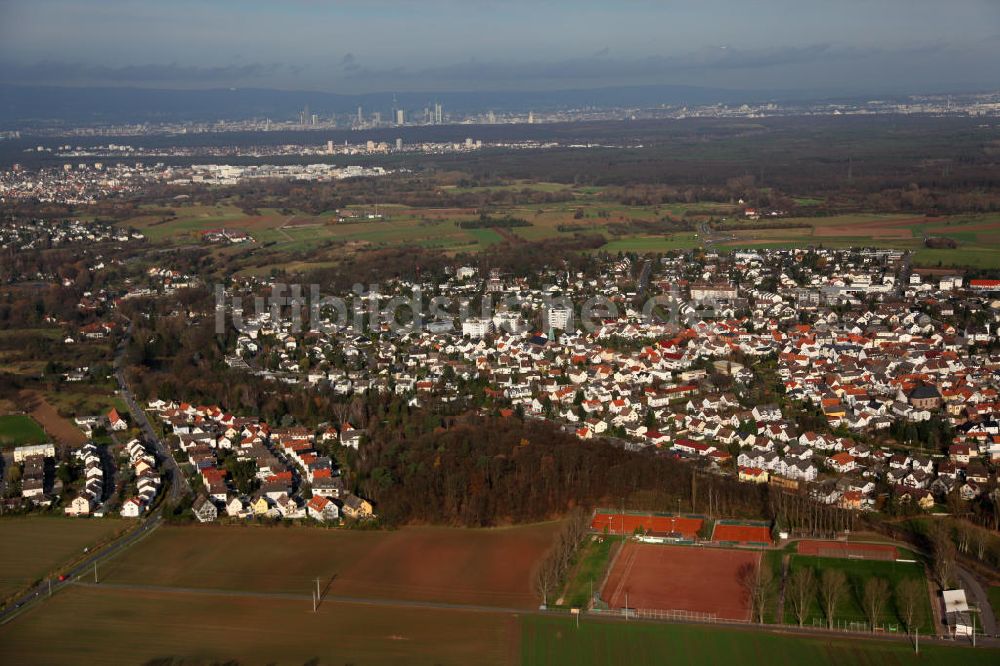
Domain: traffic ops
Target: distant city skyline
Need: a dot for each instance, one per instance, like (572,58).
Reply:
(447,45)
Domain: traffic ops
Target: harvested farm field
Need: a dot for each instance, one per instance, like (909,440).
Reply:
(32,547)
(126,626)
(491,567)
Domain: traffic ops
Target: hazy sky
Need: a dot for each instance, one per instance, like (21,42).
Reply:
(436,45)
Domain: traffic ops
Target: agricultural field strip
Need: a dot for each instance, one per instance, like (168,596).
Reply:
(331,598)
(778,630)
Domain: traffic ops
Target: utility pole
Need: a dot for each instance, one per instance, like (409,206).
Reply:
(95,571)
(623,516)
(916,644)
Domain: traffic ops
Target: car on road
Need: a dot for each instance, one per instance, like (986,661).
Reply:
(62,577)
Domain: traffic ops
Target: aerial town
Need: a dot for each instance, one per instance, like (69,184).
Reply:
(539,334)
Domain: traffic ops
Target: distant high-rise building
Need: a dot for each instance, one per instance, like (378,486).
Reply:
(315,119)
(491,118)
(400,117)
(377,118)
(361,119)
(399,144)
(438,113)
(329,146)
(531,117)
(558,317)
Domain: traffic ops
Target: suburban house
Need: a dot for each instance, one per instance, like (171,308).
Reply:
(204,510)
(356,507)
(322,509)
(115,421)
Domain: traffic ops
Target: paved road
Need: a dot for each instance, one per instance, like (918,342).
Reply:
(84,568)
(179,485)
(977,595)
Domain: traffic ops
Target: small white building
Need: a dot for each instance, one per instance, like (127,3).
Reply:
(957,613)
(132,508)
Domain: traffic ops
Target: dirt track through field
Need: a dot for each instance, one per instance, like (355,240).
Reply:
(61,430)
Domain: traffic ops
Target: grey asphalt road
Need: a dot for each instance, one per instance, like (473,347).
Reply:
(976,593)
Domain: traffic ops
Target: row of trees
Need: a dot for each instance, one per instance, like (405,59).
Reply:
(555,567)
(804,588)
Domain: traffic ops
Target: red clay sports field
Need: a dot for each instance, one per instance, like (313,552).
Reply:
(855,551)
(627,524)
(736,532)
(680,578)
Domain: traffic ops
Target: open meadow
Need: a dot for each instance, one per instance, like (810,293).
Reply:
(467,566)
(637,228)
(32,547)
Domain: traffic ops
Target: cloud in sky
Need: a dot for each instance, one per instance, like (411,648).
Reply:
(360,46)
(172,73)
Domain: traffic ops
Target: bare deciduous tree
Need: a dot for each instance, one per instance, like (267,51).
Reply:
(557,563)
(800,592)
(942,554)
(757,580)
(832,585)
(875,597)
(546,580)
(909,595)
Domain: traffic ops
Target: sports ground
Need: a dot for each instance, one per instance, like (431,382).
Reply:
(854,551)
(629,523)
(736,532)
(680,578)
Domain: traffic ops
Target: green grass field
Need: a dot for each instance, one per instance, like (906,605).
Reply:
(20,430)
(556,640)
(978,236)
(592,562)
(994,596)
(33,547)
(858,571)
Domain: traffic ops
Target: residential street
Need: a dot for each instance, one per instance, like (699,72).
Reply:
(179,485)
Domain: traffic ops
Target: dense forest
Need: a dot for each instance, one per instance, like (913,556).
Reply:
(481,470)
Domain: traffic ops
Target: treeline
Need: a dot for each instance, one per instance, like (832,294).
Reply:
(555,567)
(487,222)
